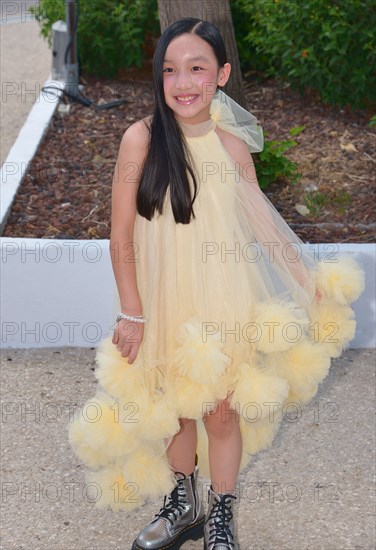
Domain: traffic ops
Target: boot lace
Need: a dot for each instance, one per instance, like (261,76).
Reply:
(175,506)
(221,514)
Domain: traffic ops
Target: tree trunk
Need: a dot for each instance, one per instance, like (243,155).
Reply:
(217,12)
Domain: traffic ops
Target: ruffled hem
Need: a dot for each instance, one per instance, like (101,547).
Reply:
(122,433)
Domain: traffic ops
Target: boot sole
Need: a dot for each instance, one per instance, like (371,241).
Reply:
(191,532)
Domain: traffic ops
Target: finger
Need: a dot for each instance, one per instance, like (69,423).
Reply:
(125,349)
(115,337)
(134,352)
(132,356)
(125,342)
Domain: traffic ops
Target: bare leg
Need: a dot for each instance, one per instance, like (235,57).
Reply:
(225,447)
(181,452)
(183,507)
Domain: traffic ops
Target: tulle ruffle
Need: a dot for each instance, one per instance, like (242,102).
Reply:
(123,431)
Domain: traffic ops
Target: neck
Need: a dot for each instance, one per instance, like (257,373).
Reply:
(196,129)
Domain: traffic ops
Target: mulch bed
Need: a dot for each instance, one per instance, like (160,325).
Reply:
(66,193)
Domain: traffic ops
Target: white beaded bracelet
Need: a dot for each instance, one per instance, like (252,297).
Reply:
(136,319)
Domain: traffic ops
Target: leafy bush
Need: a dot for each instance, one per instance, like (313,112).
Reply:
(273,166)
(316,201)
(111,34)
(326,46)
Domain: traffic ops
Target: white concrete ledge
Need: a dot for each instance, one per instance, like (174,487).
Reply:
(63,292)
(55,292)
(24,148)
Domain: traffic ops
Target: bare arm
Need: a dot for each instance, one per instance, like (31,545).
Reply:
(132,154)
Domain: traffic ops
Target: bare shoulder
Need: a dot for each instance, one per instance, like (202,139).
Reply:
(137,135)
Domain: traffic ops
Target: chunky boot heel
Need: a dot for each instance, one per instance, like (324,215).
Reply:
(181,518)
(219,531)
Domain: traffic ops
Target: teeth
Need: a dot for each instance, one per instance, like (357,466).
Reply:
(190,98)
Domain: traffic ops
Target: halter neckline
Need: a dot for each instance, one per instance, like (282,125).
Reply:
(197,130)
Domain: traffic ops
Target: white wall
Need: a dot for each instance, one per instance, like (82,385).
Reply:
(63,292)
(55,292)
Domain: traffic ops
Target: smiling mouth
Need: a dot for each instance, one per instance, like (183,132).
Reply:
(186,99)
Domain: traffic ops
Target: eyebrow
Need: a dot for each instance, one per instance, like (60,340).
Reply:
(197,58)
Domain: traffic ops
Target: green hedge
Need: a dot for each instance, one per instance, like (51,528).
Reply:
(321,45)
(111,35)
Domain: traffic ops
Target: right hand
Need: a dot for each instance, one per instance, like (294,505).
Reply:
(127,338)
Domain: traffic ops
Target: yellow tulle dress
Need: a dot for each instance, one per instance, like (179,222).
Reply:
(231,311)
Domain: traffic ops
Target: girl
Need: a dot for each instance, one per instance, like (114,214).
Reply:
(223,310)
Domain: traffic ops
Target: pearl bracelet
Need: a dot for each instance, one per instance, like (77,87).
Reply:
(136,319)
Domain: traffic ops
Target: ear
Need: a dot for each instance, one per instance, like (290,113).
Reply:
(224,74)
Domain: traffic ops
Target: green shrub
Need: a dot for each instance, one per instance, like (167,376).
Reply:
(325,46)
(316,201)
(110,34)
(273,166)
(251,59)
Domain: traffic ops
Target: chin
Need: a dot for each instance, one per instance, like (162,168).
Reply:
(190,112)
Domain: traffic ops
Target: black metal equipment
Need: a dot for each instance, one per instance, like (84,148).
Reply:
(71,87)
(71,59)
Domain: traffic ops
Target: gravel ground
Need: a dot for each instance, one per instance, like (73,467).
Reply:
(313,489)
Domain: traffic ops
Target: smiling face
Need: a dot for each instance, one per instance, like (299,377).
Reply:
(190,77)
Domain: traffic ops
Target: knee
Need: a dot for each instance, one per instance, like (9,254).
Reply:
(222,422)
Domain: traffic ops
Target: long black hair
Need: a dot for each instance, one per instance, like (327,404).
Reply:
(166,163)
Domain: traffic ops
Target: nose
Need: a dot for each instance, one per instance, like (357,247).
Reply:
(183,80)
